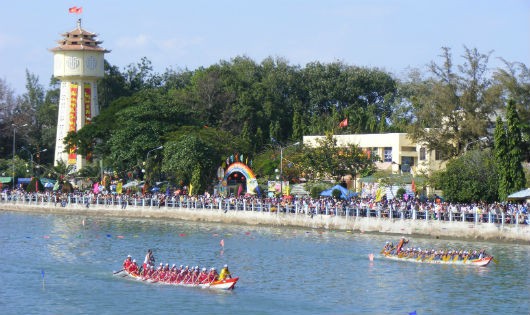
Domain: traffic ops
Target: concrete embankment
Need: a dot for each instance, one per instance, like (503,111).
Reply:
(461,230)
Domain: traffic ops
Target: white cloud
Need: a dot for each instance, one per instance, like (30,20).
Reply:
(139,41)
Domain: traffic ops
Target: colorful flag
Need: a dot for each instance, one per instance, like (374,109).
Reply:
(191,190)
(239,190)
(344,123)
(95,188)
(75,10)
(119,188)
(413,185)
(378,194)
(222,243)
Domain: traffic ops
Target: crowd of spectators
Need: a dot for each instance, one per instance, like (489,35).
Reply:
(505,212)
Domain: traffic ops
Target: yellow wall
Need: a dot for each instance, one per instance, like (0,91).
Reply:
(401,146)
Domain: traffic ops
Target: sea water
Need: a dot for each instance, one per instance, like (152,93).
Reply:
(60,264)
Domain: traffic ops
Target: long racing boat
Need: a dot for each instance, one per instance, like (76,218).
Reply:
(226,284)
(477,258)
(479,262)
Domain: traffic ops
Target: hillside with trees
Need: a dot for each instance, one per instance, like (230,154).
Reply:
(202,116)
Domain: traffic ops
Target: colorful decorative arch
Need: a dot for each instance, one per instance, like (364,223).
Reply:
(242,168)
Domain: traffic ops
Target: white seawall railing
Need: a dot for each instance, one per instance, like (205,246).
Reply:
(464,226)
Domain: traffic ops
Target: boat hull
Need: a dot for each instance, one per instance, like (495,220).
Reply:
(226,284)
(482,262)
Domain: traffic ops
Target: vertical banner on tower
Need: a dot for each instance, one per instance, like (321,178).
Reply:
(72,124)
(88,103)
(88,110)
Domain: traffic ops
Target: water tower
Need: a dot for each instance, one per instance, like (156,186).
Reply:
(78,62)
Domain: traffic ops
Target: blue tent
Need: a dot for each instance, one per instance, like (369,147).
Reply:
(345,193)
(24,181)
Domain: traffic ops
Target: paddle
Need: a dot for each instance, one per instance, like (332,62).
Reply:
(494,260)
(116,272)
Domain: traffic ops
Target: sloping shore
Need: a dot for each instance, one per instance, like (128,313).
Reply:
(461,230)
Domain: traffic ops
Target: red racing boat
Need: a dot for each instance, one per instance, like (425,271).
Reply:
(226,284)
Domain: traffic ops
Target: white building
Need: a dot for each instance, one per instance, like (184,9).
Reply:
(395,150)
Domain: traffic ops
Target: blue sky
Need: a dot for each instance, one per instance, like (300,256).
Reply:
(389,34)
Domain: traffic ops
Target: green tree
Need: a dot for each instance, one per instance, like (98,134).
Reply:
(453,108)
(513,81)
(196,181)
(111,87)
(471,177)
(34,185)
(187,155)
(8,106)
(507,146)
(326,159)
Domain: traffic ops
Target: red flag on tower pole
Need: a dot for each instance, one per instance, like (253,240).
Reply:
(344,123)
(75,10)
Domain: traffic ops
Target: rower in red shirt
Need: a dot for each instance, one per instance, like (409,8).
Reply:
(212,275)
(133,267)
(183,275)
(127,262)
(202,276)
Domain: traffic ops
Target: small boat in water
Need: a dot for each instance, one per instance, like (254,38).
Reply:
(225,284)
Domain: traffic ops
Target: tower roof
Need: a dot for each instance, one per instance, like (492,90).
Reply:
(79,39)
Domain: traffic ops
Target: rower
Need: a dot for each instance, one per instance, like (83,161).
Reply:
(212,275)
(127,262)
(133,267)
(225,273)
(203,276)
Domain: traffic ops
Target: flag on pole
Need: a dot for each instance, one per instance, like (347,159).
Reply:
(119,188)
(378,194)
(413,185)
(76,10)
(344,123)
